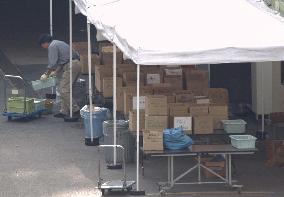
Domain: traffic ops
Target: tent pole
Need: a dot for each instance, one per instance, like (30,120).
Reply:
(114,103)
(137,127)
(90,79)
(70,54)
(262,101)
(50,17)
(209,73)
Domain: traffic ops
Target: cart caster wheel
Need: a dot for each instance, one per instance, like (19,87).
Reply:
(103,192)
(162,192)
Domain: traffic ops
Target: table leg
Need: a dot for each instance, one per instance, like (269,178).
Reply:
(172,171)
(169,169)
(227,168)
(199,167)
(230,169)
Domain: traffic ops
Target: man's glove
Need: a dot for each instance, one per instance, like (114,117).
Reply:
(52,74)
(44,77)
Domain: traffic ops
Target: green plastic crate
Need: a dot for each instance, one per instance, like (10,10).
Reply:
(243,141)
(42,84)
(17,105)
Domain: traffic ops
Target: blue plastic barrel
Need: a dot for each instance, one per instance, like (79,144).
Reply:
(99,115)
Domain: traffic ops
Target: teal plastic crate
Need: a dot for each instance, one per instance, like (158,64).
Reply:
(42,84)
(234,126)
(243,141)
(17,105)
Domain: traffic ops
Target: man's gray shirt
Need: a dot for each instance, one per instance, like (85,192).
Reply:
(58,54)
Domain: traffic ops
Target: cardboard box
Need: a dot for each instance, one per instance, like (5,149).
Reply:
(199,88)
(171,98)
(122,68)
(101,72)
(107,55)
(156,123)
(218,167)
(217,124)
(141,102)
(130,78)
(218,95)
(84,63)
(219,110)
(203,125)
(108,86)
(184,122)
(173,72)
(198,110)
(179,109)
(133,120)
(153,78)
(81,47)
(271,148)
(203,101)
(175,81)
(185,98)
(153,141)
(156,105)
(119,99)
(162,89)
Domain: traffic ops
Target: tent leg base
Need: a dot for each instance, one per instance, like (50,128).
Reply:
(114,166)
(137,193)
(71,119)
(89,142)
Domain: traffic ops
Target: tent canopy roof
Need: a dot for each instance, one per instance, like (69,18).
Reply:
(168,32)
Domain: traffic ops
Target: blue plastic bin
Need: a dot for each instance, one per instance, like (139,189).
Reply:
(99,116)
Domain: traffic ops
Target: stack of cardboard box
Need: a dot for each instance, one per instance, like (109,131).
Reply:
(156,120)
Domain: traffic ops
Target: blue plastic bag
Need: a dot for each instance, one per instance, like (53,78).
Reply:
(176,139)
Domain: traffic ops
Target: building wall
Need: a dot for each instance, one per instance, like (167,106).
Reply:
(277,88)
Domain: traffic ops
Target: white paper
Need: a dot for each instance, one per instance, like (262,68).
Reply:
(141,102)
(153,78)
(184,122)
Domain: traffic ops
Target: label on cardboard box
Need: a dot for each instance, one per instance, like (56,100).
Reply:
(141,102)
(184,122)
(153,78)
(14,91)
(203,101)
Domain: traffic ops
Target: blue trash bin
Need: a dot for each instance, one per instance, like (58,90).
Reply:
(99,115)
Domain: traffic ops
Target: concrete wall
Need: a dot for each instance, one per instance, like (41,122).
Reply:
(273,90)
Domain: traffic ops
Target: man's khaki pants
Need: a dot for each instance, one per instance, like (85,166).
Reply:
(64,86)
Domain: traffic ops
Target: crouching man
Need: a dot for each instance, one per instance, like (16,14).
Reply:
(58,60)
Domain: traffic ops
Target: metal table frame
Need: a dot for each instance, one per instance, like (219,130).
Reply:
(174,180)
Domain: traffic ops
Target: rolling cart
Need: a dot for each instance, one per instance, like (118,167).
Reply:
(25,115)
(114,185)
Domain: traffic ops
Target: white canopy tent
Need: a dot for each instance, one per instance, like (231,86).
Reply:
(168,32)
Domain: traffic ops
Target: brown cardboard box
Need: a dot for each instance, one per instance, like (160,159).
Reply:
(199,88)
(185,98)
(122,68)
(175,81)
(198,110)
(175,71)
(156,123)
(271,148)
(119,99)
(197,75)
(130,78)
(156,105)
(171,98)
(108,86)
(203,125)
(218,95)
(84,63)
(133,120)
(162,89)
(101,72)
(221,110)
(81,47)
(217,124)
(179,109)
(217,167)
(153,140)
(107,55)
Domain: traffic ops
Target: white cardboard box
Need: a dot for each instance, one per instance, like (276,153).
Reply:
(183,122)
(141,102)
(153,78)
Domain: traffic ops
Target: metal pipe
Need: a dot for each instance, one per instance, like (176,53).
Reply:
(137,127)
(114,102)
(70,58)
(50,18)
(262,101)
(90,79)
